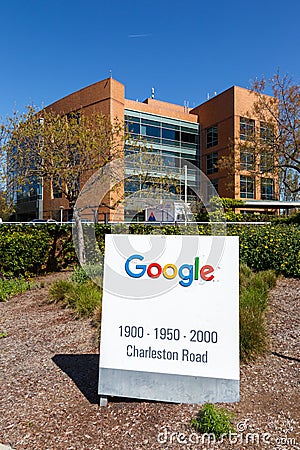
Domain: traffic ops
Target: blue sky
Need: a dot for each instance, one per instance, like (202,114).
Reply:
(186,50)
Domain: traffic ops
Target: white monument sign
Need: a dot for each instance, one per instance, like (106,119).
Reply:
(170,328)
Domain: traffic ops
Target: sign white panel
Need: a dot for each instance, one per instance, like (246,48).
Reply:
(170,305)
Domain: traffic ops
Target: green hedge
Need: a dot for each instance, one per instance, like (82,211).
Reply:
(265,247)
(23,250)
(262,247)
(26,250)
(30,249)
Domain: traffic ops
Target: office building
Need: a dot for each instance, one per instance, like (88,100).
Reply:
(203,135)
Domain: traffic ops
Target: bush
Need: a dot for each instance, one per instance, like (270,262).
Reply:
(84,297)
(26,250)
(8,288)
(22,251)
(59,289)
(79,275)
(254,289)
(211,419)
(264,247)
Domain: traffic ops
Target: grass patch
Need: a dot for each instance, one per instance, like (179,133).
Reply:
(254,289)
(8,288)
(83,297)
(213,420)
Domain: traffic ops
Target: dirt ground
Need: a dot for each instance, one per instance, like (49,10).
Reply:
(49,376)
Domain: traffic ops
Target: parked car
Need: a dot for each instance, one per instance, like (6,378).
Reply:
(42,221)
(72,221)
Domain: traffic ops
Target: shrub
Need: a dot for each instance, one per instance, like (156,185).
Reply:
(22,251)
(275,247)
(79,275)
(211,419)
(8,288)
(83,297)
(59,289)
(254,289)
(30,249)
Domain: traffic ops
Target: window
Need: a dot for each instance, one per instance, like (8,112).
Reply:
(74,116)
(266,162)
(267,189)
(212,163)
(211,136)
(133,127)
(149,130)
(188,137)
(266,132)
(56,188)
(247,187)
(247,128)
(170,134)
(247,159)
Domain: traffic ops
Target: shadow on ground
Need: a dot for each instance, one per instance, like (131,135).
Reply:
(84,371)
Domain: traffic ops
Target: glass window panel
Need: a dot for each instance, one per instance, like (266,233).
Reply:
(151,122)
(133,127)
(266,132)
(188,145)
(267,189)
(188,137)
(190,130)
(266,162)
(214,184)
(188,156)
(246,159)
(171,143)
(152,131)
(247,128)
(212,136)
(170,134)
(246,187)
(212,163)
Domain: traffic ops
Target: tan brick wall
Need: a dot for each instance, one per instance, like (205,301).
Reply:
(107,97)
(152,106)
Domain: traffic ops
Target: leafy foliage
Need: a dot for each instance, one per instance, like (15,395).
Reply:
(83,297)
(8,288)
(275,247)
(29,250)
(60,149)
(26,250)
(254,289)
(282,111)
(23,251)
(211,419)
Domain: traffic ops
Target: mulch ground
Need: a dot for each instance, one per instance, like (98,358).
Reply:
(49,375)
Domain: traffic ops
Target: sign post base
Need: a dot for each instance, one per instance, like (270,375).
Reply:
(103,401)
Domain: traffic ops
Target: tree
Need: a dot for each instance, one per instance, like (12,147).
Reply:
(279,138)
(63,151)
(59,149)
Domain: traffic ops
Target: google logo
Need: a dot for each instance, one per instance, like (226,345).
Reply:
(186,272)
